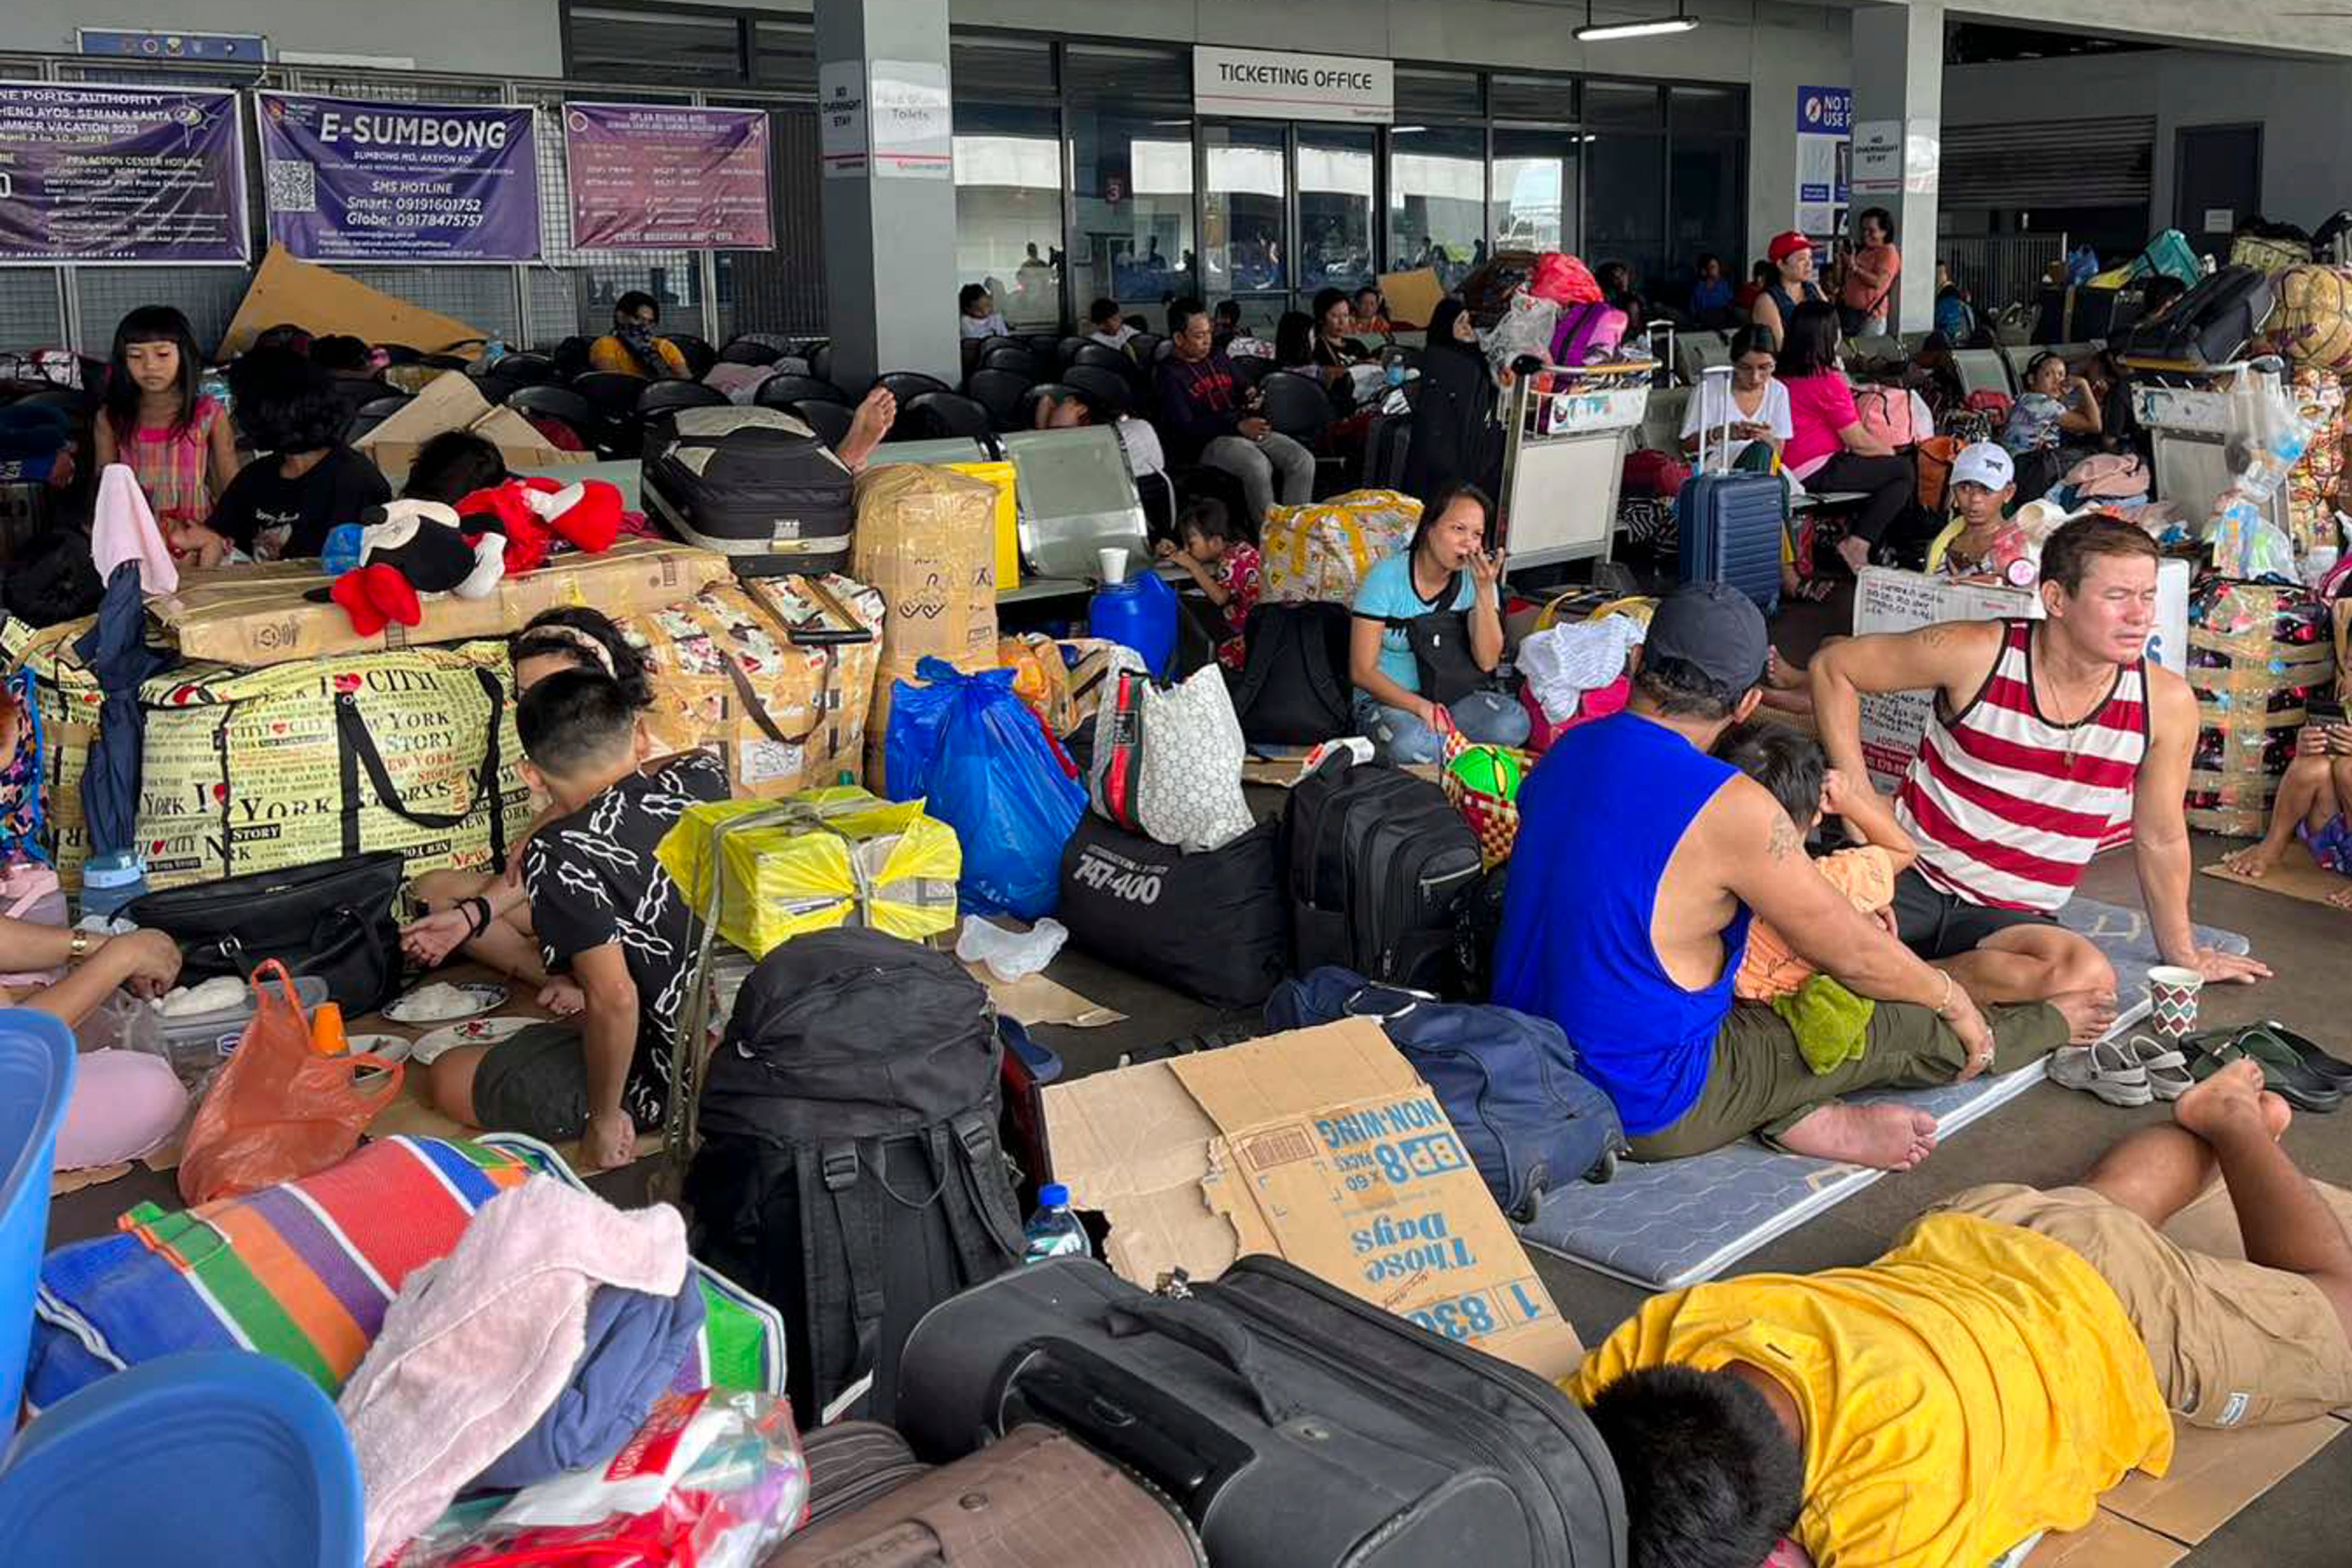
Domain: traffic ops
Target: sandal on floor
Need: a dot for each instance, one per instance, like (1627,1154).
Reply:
(2168,1069)
(2282,1073)
(2334,1068)
(2106,1070)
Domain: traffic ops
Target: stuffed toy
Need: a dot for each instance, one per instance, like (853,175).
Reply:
(411,547)
(534,513)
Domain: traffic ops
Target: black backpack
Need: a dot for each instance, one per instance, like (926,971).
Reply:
(1380,866)
(1293,688)
(850,1170)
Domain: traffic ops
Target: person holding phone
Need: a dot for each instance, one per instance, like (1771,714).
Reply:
(2311,799)
(1755,406)
(1448,576)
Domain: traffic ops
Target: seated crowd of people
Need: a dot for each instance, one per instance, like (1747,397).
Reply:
(2017,1351)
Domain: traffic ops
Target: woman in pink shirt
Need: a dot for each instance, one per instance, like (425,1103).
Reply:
(1870,274)
(1830,450)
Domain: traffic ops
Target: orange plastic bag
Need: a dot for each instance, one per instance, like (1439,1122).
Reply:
(277,1110)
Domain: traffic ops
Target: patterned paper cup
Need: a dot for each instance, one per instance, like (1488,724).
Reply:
(2172,998)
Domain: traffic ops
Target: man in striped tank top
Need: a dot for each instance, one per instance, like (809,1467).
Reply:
(2046,735)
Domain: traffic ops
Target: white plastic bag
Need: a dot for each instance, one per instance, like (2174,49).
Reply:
(1526,327)
(1010,954)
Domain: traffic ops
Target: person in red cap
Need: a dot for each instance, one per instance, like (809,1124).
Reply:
(1791,256)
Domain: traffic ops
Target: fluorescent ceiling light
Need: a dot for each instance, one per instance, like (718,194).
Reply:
(1600,33)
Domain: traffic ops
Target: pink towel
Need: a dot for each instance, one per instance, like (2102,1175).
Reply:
(477,1346)
(124,529)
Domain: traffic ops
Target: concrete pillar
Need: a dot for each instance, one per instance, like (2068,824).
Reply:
(889,215)
(1899,80)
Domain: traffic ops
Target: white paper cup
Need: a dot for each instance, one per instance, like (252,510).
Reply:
(2172,993)
(1112,561)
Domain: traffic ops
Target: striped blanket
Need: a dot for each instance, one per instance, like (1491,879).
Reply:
(303,1272)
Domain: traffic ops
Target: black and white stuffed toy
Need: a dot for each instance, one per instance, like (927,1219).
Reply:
(409,549)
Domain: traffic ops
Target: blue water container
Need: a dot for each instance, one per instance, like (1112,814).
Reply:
(1140,613)
(37,1077)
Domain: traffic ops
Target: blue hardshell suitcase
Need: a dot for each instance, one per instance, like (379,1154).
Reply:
(1730,524)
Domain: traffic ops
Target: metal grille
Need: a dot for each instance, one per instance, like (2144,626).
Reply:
(2001,269)
(28,304)
(595,279)
(103,296)
(781,290)
(2079,164)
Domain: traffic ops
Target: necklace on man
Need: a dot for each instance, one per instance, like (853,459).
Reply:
(2075,735)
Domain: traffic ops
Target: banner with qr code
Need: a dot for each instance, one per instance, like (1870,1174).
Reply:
(355,180)
(118,175)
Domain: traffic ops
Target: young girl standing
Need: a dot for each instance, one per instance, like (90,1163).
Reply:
(158,421)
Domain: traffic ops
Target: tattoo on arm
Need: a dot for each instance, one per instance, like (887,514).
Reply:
(1935,636)
(1784,839)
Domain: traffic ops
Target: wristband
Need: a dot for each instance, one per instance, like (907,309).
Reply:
(475,924)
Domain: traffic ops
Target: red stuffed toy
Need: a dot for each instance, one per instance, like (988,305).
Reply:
(534,513)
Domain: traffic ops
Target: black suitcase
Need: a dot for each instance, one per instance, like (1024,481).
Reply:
(1387,440)
(1297,1426)
(2209,325)
(1212,923)
(753,484)
(1379,867)
(1293,688)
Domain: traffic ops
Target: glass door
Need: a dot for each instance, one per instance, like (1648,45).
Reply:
(1335,208)
(1245,218)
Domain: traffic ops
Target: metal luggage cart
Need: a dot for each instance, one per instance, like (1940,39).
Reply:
(2193,417)
(1564,457)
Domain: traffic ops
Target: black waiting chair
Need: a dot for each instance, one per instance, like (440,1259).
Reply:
(783,390)
(561,404)
(662,397)
(1295,405)
(747,351)
(700,355)
(820,360)
(1057,391)
(1017,358)
(614,396)
(1103,357)
(1111,391)
(1004,394)
(831,421)
(937,416)
(1066,350)
(1148,347)
(1251,369)
(908,385)
(372,413)
(521,369)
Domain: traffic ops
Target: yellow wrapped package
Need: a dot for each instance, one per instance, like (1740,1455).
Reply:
(816,859)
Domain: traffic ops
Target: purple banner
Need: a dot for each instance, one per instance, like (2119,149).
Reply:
(120,174)
(655,177)
(356,179)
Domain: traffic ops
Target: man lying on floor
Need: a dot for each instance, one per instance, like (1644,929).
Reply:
(2008,1361)
(2046,735)
(1639,863)
(606,912)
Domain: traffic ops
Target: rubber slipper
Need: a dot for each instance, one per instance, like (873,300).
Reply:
(2305,1050)
(2105,1069)
(2168,1069)
(2296,1087)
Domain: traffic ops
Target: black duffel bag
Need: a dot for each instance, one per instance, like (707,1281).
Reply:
(333,919)
(1215,923)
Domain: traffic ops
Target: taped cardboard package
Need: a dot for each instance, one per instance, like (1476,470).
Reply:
(250,770)
(927,538)
(776,677)
(452,402)
(817,860)
(258,614)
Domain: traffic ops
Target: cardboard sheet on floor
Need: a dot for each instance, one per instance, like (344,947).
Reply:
(64,1182)
(2214,1474)
(1035,999)
(1323,1146)
(324,302)
(1666,1225)
(2296,875)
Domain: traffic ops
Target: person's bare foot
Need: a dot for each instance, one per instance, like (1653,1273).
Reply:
(2340,900)
(2277,1114)
(875,416)
(2089,1015)
(2253,863)
(1884,1137)
(2224,1103)
(1854,551)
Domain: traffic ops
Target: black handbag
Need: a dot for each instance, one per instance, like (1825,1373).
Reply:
(333,919)
(1441,652)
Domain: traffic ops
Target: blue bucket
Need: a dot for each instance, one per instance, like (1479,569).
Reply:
(36,1076)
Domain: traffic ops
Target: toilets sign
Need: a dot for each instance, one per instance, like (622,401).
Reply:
(1272,83)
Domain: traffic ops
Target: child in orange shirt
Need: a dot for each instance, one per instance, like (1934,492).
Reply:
(1829,1020)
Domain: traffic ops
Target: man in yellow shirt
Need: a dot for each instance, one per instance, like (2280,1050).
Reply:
(631,349)
(2014,1355)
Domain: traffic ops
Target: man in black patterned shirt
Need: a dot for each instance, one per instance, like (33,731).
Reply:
(607,913)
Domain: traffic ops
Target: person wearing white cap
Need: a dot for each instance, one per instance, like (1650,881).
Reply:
(1982,484)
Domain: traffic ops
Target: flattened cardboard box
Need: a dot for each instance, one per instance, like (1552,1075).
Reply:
(452,402)
(256,615)
(1323,1146)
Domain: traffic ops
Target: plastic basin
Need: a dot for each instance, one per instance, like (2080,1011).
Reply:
(37,1077)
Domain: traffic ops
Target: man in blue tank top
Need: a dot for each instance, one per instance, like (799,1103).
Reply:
(1640,862)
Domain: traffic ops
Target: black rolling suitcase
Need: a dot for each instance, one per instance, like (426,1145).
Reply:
(2209,325)
(1379,867)
(755,485)
(1297,1426)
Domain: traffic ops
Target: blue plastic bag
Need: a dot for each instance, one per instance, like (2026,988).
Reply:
(980,758)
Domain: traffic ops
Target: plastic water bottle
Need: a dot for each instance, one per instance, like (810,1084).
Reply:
(1053,1231)
(1392,364)
(493,351)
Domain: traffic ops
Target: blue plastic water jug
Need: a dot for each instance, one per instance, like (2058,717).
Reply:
(1140,613)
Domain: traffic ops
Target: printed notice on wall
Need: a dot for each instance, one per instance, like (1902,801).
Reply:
(841,119)
(120,174)
(648,176)
(359,180)
(913,129)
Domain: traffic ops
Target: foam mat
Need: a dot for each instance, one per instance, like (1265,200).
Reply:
(1666,1225)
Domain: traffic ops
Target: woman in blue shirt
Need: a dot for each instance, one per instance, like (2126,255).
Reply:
(1447,572)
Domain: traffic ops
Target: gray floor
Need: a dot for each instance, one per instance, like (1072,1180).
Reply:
(2045,1138)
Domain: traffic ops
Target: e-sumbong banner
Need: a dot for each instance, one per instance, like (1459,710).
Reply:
(650,176)
(92,174)
(355,180)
